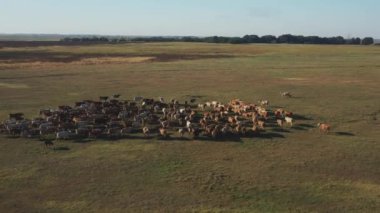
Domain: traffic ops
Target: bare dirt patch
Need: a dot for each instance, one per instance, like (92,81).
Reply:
(18,59)
(114,60)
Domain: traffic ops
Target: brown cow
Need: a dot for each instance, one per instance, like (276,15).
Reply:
(288,114)
(163,132)
(325,128)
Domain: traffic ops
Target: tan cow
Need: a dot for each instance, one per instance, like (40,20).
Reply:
(286,94)
(163,132)
(261,124)
(146,131)
(325,128)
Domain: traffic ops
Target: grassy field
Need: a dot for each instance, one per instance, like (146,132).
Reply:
(299,170)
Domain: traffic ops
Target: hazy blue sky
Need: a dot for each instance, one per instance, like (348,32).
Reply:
(192,17)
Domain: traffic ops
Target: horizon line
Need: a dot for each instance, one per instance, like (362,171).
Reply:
(125,35)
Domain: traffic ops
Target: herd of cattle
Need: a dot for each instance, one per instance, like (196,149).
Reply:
(113,118)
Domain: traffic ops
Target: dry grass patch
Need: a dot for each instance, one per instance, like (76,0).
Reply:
(14,85)
(304,171)
(114,60)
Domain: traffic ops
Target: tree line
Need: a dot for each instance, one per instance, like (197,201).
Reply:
(247,39)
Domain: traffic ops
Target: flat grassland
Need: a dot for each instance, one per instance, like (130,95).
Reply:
(297,169)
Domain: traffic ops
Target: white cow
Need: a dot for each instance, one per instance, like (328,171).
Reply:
(289,120)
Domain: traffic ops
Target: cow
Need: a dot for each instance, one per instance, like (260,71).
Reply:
(126,130)
(195,132)
(16,116)
(238,129)
(232,120)
(48,143)
(202,106)
(45,113)
(288,114)
(255,118)
(95,132)
(279,113)
(264,102)
(325,128)
(138,98)
(163,132)
(165,111)
(261,124)
(214,103)
(226,130)
(289,120)
(13,129)
(165,124)
(181,132)
(47,128)
(286,94)
(114,132)
(83,131)
(189,125)
(182,111)
(26,133)
(63,135)
(146,131)
(255,129)
(280,122)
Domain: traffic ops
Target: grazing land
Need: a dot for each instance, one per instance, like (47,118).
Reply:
(303,170)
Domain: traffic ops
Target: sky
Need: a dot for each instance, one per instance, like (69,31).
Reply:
(348,18)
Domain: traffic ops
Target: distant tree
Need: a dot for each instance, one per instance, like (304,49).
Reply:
(103,39)
(66,39)
(268,39)
(191,39)
(353,41)
(122,40)
(75,39)
(291,39)
(312,40)
(237,40)
(286,38)
(251,39)
(336,40)
(114,40)
(213,39)
(356,41)
(224,39)
(299,39)
(367,41)
(217,39)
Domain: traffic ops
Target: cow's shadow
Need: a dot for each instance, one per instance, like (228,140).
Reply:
(298,117)
(61,148)
(344,134)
